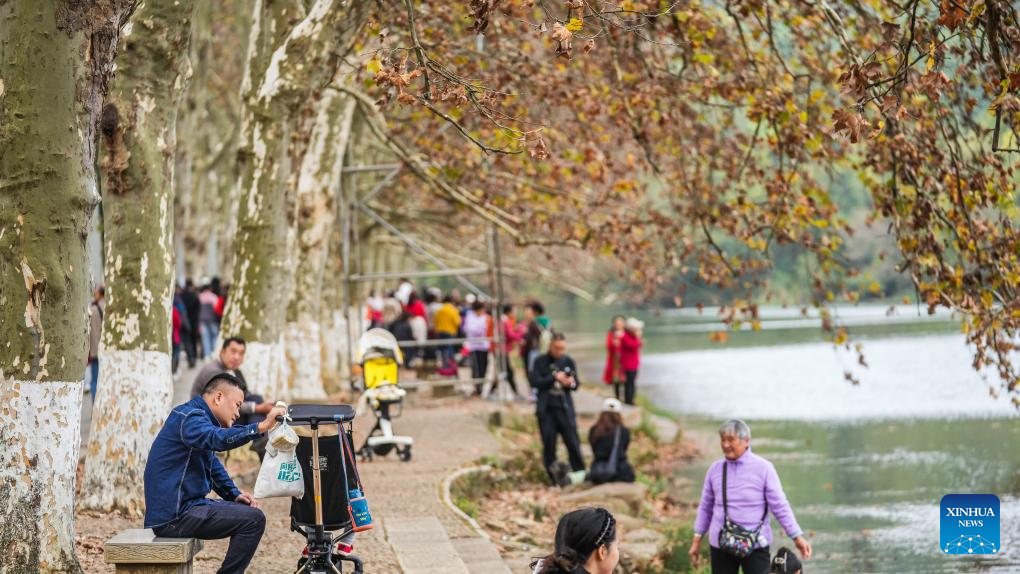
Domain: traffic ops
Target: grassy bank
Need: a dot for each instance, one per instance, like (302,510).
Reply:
(515,505)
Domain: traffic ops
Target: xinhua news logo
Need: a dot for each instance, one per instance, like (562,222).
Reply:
(969,524)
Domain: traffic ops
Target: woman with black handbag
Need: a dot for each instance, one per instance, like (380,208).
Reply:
(738,494)
(609,440)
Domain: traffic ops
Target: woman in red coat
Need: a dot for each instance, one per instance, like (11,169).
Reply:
(623,348)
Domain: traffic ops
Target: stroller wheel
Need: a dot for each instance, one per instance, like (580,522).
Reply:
(405,454)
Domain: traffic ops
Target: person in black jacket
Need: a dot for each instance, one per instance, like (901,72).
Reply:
(401,329)
(554,377)
(193,344)
(602,436)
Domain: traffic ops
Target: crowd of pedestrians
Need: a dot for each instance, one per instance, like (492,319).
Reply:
(197,313)
(422,318)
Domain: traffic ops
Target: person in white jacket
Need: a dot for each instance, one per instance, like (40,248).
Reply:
(476,326)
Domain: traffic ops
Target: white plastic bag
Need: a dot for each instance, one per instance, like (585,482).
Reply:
(280,474)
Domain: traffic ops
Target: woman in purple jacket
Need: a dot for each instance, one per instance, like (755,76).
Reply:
(752,490)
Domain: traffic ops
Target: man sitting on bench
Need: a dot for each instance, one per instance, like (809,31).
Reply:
(183,468)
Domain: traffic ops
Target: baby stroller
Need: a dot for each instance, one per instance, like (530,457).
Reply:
(327,463)
(380,358)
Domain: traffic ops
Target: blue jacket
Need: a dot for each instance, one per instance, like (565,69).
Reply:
(182,466)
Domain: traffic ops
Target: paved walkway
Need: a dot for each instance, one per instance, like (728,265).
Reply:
(404,499)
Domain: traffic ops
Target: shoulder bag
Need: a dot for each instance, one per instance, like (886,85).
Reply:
(733,538)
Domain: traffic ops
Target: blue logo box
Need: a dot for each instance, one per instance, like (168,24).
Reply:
(969,524)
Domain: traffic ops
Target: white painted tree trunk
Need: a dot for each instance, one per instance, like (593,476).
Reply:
(41,464)
(135,385)
(333,351)
(135,399)
(55,61)
(262,365)
(304,361)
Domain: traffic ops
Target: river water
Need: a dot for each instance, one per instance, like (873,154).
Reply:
(863,466)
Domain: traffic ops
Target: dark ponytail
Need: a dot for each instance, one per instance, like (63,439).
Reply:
(578,534)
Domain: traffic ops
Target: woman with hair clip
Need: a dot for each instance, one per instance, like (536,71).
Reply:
(587,542)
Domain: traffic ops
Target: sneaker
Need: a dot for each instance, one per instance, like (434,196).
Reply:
(559,472)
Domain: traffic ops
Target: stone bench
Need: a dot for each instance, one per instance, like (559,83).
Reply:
(142,552)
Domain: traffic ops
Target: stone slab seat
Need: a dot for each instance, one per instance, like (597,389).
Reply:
(142,552)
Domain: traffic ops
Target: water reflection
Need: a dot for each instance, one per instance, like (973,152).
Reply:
(869,491)
(864,466)
(928,375)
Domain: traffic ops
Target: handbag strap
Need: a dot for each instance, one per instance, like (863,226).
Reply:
(725,509)
(764,515)
(345,455)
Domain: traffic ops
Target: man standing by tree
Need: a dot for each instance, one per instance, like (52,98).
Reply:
(96,309)
(182,468)
(229,361)
(193,342)
(554,377)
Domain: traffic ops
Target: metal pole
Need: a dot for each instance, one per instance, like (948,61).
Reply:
(500,293)
(381,185)
(497,330)
(371,167)
(346,299)
(449,272)
(415,247)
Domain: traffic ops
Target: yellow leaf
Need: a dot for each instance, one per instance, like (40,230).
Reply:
(575,24)
(374,66)
(703,58)
(841,337)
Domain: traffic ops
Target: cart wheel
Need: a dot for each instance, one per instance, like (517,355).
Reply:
(405,455)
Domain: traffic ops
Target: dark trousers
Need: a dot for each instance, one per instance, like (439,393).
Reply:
(190,349)
(243,524)
(629,387)
(175,357)
(479,365)
(93,377)
(510,373)
(559,422)
(756,562)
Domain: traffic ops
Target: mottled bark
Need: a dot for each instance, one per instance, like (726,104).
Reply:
(275,92)
(138,138)
(55,59)
(316,208)
(205,177)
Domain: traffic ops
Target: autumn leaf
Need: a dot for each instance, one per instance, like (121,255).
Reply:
(562,35)
(952,14)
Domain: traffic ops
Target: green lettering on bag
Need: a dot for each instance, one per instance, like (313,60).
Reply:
(289,472)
